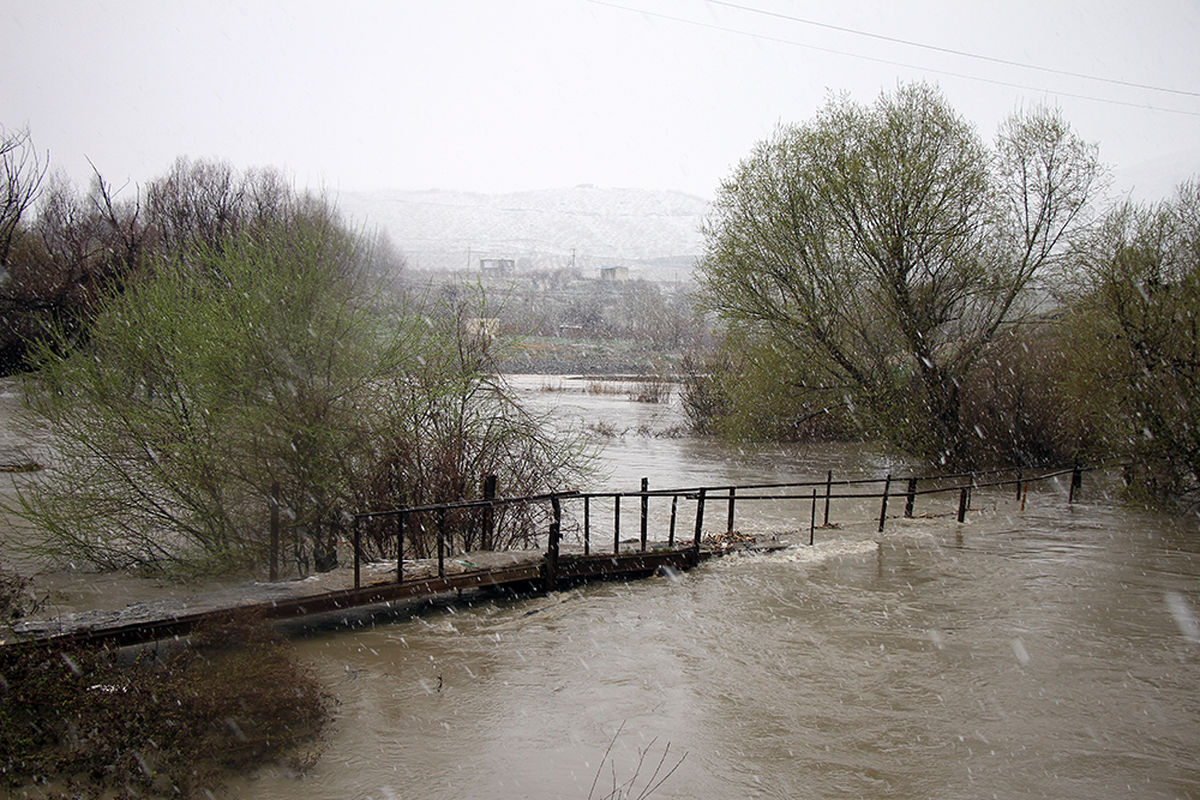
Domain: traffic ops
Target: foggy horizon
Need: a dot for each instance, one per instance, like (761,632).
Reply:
(645,94)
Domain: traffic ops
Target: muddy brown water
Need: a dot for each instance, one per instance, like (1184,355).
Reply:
(1050,652)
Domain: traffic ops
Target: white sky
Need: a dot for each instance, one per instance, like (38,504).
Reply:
(500,95)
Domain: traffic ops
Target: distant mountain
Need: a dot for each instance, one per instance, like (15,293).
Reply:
(652,232)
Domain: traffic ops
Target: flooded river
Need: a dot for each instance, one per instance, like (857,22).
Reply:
(1051,652)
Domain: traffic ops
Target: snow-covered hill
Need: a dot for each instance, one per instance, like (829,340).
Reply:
(649,231)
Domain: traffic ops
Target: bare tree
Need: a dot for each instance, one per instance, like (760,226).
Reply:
(23,172)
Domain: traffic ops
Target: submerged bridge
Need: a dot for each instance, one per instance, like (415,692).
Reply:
(459,566)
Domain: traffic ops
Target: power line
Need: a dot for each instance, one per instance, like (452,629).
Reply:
(890,62)
(938,49)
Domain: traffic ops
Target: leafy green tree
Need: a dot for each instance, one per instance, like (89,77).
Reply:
(197,389)
(886,248)
(1135,376)
(57,264)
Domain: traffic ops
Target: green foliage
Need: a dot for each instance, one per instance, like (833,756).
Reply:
(232,698)
(225,374)
(1136,376)
(198,388)
(886,248)
(750,389)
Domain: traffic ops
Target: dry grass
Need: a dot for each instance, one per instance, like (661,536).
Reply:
(604,388)
(651,390)
(628,789)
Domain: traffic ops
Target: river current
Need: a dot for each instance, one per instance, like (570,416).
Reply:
(1047,652)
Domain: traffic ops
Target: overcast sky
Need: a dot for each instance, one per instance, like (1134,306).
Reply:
(500,95)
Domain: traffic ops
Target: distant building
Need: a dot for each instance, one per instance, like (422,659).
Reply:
(497,266)
(614,274)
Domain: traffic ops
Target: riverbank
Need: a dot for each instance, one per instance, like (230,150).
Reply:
(561,356)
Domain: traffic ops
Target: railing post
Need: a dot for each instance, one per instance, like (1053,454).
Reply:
(1020,475)
(552,547)
(887,485)
(357,550)
(962,503)
(729,520)
(400,547)
(910,497)
(616,525)
(587,524)
(671,530)
(441,542)
(274,554)
(812,519)
(489,513)
(699,524)
(828,491)
(645,510)
(1076,482)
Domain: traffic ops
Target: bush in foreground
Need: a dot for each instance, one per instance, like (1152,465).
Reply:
(234,697)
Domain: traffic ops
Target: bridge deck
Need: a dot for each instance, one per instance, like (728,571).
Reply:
(513,571)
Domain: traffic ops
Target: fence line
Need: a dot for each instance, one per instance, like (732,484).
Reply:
(731,495)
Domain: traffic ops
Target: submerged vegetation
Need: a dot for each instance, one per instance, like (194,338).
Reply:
(1134,374)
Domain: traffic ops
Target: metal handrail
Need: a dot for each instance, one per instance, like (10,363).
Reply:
(731,495)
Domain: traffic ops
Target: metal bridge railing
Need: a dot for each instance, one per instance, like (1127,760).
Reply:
(819,493)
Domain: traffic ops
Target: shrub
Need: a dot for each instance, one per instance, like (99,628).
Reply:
(271,366)
(1135,375)
(172,725)
(748,389)
(1015,403)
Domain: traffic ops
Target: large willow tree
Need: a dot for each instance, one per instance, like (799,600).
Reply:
(884,248)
